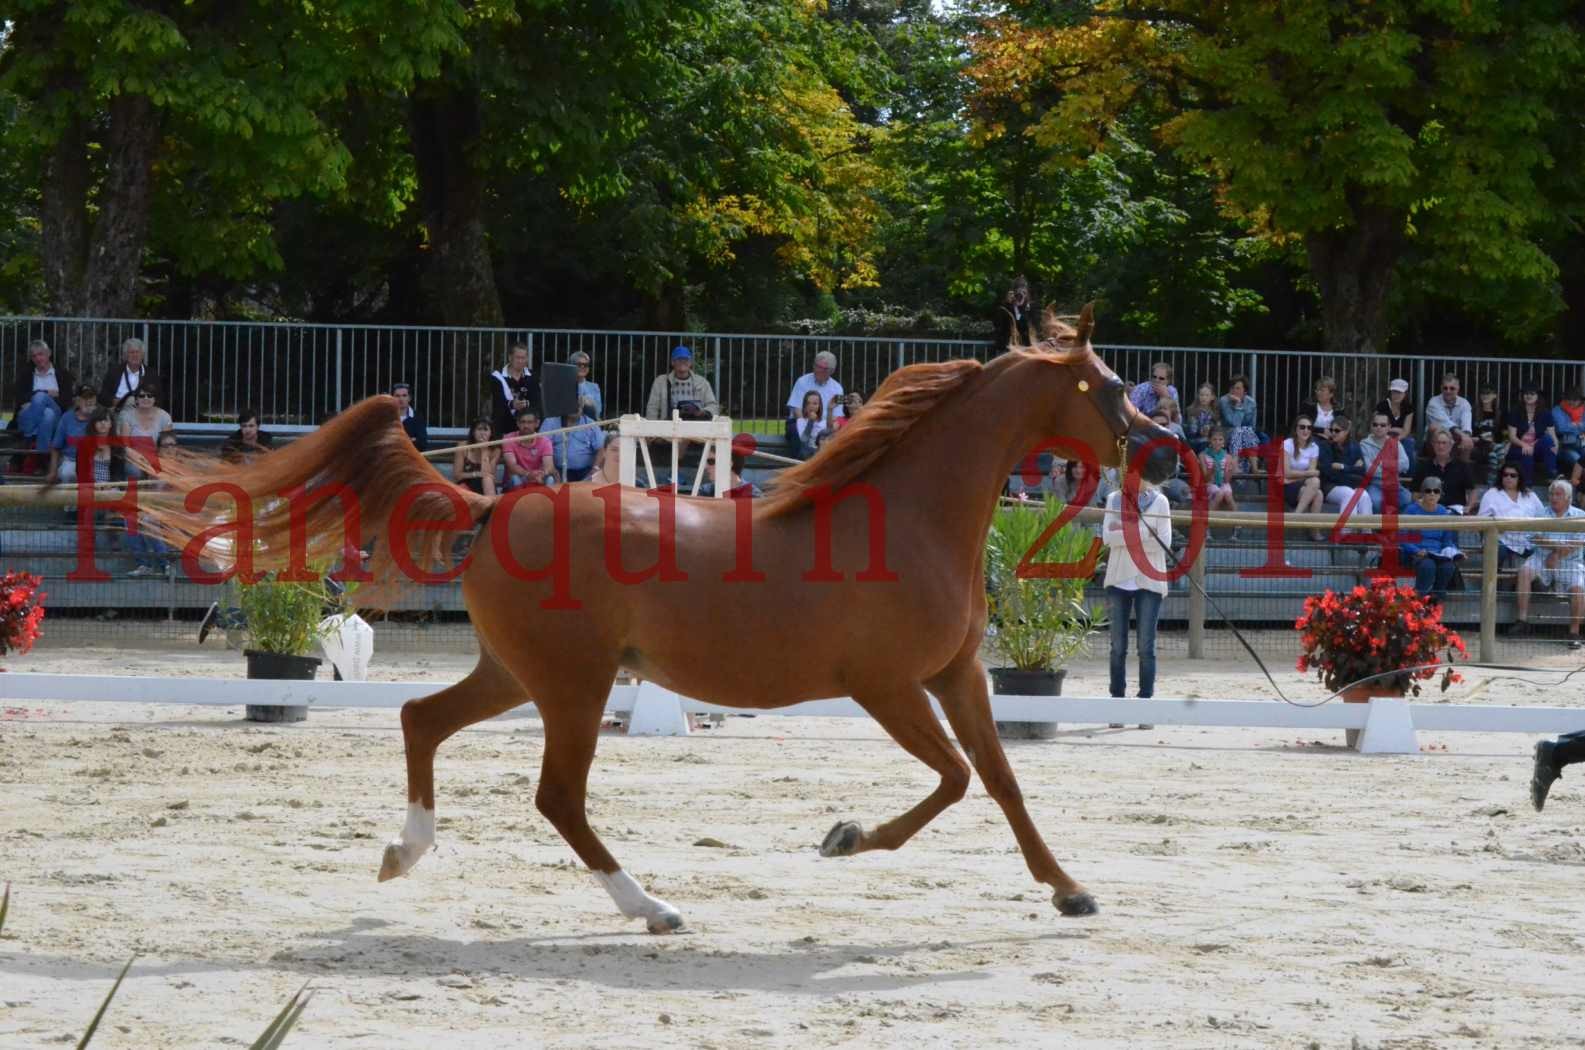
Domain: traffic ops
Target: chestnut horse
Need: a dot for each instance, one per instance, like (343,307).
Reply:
(877,540)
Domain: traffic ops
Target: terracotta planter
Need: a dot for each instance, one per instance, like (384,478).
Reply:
(1010,681)
(1362,694)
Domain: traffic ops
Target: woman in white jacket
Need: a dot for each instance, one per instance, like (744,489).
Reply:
(1129,589)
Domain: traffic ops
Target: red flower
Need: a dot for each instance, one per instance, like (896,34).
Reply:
(1372,630)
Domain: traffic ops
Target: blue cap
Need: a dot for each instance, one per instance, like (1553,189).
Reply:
(681,351)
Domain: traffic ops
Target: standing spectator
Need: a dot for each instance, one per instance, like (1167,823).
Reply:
(414,424)
(1507,499)
(574,451)
(1458,493)
(1568,423)
(1400,415)
(1324,407)
(121,380)
(1342,465)
(1237,411)
(475,468)
(1531,439)
(1202,418)
(804,430)
(1558,562)
(528,454)
(143,422)
(682,390)
(1012,317)
(41,393)
(1434,557)
(823,382)
(248,442)
(1220,467)
(1301,476)
(1376,447)
(68,435)
(590,401)
(1130,591)
(512,389)
(1452,413)
(1146,396)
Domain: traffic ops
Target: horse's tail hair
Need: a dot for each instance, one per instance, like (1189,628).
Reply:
(308,505)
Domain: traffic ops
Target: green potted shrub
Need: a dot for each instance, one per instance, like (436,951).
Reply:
(1036,624)
(284,623)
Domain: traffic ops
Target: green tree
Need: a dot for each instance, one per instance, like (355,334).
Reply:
(1366,134)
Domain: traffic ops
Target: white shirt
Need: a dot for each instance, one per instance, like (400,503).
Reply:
(1572,543)
(1455,417)
(1323,418)
(806,382)
(1496,504)
(46,382)
(129,382)
(1155,524)
(1302,460)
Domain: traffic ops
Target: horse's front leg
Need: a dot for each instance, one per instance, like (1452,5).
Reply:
(905,713)
(966,700)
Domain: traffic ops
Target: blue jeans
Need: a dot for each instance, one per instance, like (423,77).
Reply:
(1380,504)
(1146,607)
(146,550)
(38,418)
(1432,576)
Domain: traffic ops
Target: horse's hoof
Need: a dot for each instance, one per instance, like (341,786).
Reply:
(665,922)
(842,840)
(1078,904)
(393,863)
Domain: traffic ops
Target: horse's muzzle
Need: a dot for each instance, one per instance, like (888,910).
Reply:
(1161,461)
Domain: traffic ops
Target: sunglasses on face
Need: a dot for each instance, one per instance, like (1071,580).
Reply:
(1160,379)
(1303,426)
(1506,475)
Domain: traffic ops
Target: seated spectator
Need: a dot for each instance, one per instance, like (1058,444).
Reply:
(1434,557)
(574,451)
(1452,413)
(513,388)
(1324,407)
(69,431)
(681,390)
(742,445)
(476,468)
(804,430)
(143,422)
(1177,490)
(1219,467)
(1237,411)
(1202,418)
(1568,423)
(590,401)
(109,463)
(248,442)
(823,382)
(1507,499)
(528,454)
(1342,466)
(122,379)
(1557,562)
(1146,396)
(1531,439)
(414,424)
(1458,494)
(607,466)
(1400,415)
(42,393)
(1070,486)
(1376,447)
(851,404)
(1301,475)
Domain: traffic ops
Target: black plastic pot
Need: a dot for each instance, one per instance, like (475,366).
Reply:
(279,667)
(1011,681)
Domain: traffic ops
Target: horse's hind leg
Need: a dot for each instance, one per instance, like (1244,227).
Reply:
(966,701)
(572,727)
(905,713)
(487,691)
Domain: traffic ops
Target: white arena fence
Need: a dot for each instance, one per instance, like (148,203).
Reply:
(1387,725)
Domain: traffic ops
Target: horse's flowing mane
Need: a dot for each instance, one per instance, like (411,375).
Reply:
(906,396)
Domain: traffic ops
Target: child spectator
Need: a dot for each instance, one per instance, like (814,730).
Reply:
(804,430)
(1220,467)
(1202,418)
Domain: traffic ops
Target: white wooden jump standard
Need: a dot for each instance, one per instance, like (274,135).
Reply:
(633,432)
(1389,724)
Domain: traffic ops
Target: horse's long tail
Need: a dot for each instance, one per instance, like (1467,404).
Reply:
(305,505)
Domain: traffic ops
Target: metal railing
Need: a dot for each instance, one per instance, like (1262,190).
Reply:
(298,374)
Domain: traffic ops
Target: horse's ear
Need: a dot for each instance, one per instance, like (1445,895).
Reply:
(1086,324)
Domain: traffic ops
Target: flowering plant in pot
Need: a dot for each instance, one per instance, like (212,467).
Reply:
(1352,642)
(1036,624)
(21,611)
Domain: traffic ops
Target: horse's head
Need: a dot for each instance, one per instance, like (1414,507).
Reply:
(1114,418)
